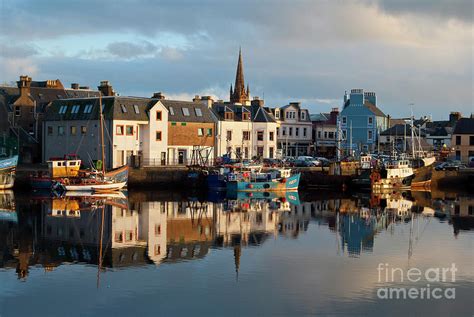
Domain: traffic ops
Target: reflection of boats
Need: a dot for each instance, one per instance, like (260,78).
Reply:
(291,197)
(271,180)
(7,206)
(7,171)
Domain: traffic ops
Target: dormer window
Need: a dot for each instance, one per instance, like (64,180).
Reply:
(229,115)
(245,116)
(124,108)
(277,114)
(185,112)
(303,115)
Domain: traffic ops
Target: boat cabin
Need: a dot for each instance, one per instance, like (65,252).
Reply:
(59,167)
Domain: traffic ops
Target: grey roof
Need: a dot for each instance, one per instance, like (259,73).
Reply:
(118,108)
(400,130)
(178,106)
(257,112)
(464,126)
(319,117)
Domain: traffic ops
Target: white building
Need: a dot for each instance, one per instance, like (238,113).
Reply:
(245,131)
(294,130)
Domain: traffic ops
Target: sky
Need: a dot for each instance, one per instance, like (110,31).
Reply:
(407,52)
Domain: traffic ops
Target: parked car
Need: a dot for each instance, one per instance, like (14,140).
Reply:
(311,159)
(450,166)
(324,161)
(304,163)
(271,162)
(470,161)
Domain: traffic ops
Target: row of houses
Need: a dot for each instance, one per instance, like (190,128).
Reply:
(50,120)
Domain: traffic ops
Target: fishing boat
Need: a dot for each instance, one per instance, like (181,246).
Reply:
(96,181)
(7,172)
(397,174)
(271,180)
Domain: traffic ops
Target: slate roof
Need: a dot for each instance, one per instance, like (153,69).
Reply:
(319,116)
(178,116)
(374,109)
(219,110)
(398,129)
(118,108)
(464,126)
(257,113)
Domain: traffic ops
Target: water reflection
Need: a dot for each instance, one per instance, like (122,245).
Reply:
(119,231)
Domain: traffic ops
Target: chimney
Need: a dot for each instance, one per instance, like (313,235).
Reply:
(454,117)
(85,87)
(75,86)
(24,85)
(158,95)
(196,98)
(333,115)
(257,102)
(106,89)
(207,100)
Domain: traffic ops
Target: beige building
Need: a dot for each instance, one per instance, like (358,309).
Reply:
(463,139)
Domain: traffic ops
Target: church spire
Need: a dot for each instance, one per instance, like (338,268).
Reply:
(239,94)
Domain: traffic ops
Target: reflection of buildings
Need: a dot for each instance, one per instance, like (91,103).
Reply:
(462,217)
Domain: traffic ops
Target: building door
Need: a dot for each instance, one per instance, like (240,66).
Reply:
(119,158)
(260,151)
(129,156)
(270,154)
(163,158)
(181,156)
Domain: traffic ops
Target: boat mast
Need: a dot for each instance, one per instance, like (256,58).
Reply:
(101,118)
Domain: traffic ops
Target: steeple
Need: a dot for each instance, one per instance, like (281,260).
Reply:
(239,94)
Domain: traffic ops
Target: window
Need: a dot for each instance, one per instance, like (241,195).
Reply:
(271,136)
(83,130)
(119,130)
(277,114)
(259,135)
(129,130)
(458,140)
(157,249)
(185,112)
(124,108)
(331,135)
(198,112)
(157,230)
(319,134)
(304,131)
(245,116)
(200,131)
(183,124)
(344,134)
(229,115)
(50,130)
(290,131)
(297,131)
(209,132)
(229,135)
(60,130)
(158,116)
(270,150)
(158,135)
(135,107)
(75,109)
(62,109)
(118,236)
(17,111)
(471,140)
(278,131)
(283,131)
(129,235)
(171,111)
(73,130)
(369,135)
(325,134)
(246,135)
(344,120)
(371,121)
(88,109)
(303,115)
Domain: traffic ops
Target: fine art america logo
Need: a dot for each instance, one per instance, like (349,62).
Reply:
(438,275)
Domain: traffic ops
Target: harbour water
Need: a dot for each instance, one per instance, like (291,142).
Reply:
(180,254)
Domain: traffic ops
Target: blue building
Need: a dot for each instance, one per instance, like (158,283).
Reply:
(361,121)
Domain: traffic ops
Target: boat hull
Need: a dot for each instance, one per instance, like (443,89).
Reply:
(288,184)
(96,187)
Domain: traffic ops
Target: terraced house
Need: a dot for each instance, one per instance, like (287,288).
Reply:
(142,131)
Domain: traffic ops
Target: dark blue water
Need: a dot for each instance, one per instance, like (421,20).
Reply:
(169,254)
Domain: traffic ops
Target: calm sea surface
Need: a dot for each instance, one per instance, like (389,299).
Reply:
(175,254)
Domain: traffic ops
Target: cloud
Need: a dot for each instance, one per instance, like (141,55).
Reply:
(17,51)
(310,51)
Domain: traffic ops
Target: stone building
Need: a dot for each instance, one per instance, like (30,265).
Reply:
(22,109)
(463,139)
